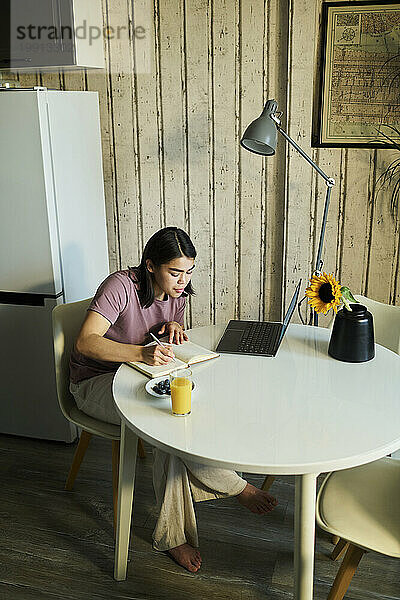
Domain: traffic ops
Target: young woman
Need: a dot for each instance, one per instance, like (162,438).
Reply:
(127,306)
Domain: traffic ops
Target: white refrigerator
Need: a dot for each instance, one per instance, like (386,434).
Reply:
(53,243)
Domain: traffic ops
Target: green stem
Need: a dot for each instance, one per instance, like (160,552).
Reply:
(347,305)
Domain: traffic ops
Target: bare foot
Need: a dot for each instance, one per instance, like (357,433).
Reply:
(186,556)
(257,500)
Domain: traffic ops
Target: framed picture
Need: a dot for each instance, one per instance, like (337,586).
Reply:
(359,95)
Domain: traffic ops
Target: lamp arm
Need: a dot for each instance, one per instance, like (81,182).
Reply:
(329,185)
(330,182)
(318,262)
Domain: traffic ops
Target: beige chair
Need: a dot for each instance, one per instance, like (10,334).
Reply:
(359,505)
(386,322)
(67,321)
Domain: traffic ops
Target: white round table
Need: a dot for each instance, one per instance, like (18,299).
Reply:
(299,413)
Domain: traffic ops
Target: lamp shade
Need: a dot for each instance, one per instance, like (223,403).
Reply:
(260,135)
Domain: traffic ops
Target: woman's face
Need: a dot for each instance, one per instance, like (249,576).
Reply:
(171,278)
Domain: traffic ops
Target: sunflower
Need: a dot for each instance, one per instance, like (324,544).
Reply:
(324,293)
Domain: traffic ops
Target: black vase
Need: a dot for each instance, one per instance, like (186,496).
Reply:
(352,337)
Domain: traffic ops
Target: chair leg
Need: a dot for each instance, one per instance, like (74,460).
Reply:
(141,450)
(268,481)
(78,457)
(346,572)
(340,548)
(335,539)
(115,474)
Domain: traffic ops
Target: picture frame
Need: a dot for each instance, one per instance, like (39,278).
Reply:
(359,87)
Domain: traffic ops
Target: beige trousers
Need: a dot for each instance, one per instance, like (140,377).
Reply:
(94,397)
(177,482)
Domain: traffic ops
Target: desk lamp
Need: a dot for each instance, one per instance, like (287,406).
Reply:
(260,137)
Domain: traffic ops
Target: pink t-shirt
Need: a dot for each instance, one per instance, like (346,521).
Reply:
(117,300)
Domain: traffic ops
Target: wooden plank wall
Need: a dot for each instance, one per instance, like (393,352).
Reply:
(172,157)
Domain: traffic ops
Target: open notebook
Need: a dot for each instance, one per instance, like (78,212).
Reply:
(186,354)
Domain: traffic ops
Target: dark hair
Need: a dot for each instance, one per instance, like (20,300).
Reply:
(165,245)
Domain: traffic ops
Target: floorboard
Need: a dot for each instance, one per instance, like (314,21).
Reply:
(59,545)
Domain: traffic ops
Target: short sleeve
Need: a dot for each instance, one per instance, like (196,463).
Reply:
(111,298)
(180,311)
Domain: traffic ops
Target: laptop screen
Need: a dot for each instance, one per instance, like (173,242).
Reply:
(290,310)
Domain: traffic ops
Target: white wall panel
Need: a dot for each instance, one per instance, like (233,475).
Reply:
(171,154)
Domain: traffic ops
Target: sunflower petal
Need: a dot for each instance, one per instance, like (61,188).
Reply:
(313,293)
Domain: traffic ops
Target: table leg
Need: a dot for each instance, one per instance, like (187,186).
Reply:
(304,536)
(126,482)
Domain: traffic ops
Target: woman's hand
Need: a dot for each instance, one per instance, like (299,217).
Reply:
(156,355)
(174,331)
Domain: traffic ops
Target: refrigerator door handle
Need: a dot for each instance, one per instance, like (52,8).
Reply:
(25,299)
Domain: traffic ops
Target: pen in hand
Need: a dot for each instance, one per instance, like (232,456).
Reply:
(160,343)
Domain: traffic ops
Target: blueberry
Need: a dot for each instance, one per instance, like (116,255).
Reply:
(163,387)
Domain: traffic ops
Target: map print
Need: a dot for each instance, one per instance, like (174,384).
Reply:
(361,88)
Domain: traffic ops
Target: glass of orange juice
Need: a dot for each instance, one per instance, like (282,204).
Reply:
(181,392)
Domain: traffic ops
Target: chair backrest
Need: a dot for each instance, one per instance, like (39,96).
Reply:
(67,321)
(386,322)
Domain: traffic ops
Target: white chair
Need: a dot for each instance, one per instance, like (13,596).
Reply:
(386,322)
(67,321)
(360,505)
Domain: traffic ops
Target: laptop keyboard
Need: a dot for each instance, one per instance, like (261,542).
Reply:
(259,338)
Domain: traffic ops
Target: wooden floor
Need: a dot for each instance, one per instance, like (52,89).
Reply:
(59,545)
